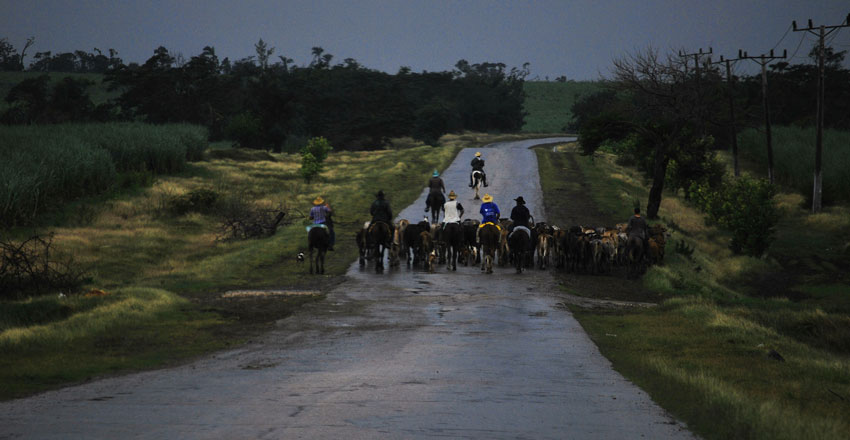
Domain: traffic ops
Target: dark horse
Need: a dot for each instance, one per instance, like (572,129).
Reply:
(318,238)
(435,202)
(488,236)
(453,238)
(635,257)
(380,238)
(520,244)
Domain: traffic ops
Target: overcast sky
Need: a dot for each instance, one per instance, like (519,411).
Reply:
(577,39)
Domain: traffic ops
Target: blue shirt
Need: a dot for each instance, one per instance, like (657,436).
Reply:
(490,213)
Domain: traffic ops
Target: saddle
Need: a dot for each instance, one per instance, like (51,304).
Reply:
(527,231)
(316,225)
(490,223)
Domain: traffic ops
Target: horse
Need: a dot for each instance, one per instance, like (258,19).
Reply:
(380,238)
(635,256)
(477,181)
(520,244)
(504,246)
(363,245)
(318,238)
(488,236)
(453,238)
(413,242)
(435,202)
(470,228)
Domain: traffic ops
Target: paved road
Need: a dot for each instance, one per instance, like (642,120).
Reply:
(404,354)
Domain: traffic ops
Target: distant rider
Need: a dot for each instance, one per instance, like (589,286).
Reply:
(436,188)
(489,214)
(320,213)
(380,210)
(520,215)
(477,165)
(638,227)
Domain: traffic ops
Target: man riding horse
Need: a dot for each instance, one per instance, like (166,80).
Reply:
(435,199)
(380,210)
(489,213)
(637,227)
(477,165)
(453,210)
(520,215)
(321,213)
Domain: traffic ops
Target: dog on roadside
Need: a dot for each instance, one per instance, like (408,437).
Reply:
(300,257)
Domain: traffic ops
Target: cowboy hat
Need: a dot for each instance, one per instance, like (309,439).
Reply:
(452,195)
(319,200)
(520,200)
(436,173)
(477,154)
(487,198)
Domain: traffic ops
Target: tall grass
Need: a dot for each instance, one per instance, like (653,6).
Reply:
(794,159)
(46,166)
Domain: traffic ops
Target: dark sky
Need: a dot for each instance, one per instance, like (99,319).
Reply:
(573,38)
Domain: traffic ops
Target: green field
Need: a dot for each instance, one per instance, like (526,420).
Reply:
(703,353)
(794,159)
(548,104)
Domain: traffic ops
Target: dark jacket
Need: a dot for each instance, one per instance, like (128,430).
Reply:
(638,227)
(520,215)
(436,185)
(477,164)
(381,211)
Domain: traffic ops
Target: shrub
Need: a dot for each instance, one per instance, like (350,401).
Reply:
(32,267)
(200,200)
(745,207)
(312,157)
(245,129)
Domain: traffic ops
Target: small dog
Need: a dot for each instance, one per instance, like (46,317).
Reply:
(432,258)
(300,257)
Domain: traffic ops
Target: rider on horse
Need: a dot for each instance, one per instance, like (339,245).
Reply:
(520,214)
(320,213)
(637,227)
(477,165)
(436,188)
(381,211)
(489,213)
(453,210)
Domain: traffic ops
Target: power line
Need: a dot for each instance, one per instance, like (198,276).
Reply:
(783,37)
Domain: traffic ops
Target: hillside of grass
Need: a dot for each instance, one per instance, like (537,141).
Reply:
(548,104)
(738,347)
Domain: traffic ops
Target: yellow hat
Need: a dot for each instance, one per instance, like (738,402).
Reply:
(452,195)
(318,201)
(487,198)
(477,154)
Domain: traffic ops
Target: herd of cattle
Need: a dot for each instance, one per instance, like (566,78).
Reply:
(575,249)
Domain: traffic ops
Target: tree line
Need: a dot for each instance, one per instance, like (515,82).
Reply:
(265,102)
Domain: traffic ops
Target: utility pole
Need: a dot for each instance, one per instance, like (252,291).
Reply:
(821,32)
(733,132)
(697,56)
(763,60)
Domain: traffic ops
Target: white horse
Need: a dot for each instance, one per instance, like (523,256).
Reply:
(477,181)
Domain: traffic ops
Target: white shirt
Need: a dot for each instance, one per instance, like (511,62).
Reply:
(451,213)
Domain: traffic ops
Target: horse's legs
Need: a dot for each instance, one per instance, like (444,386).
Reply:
(311,260)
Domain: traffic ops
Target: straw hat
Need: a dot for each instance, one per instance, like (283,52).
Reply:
(477,154)
(319,200)
(452,195)
(487,198)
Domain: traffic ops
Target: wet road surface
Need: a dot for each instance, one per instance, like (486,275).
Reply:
(403,354)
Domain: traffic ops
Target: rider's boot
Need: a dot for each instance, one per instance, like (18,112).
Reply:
(485,181)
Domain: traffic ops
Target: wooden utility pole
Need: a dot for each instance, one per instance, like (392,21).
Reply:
(821,32)
(733,132)
(763,60)
(697,56)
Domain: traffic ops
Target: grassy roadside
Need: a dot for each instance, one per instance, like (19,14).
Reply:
(703,353)
(165,274)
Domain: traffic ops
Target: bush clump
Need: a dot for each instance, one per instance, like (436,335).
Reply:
(745,207)
(312,157)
